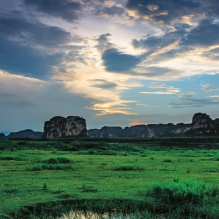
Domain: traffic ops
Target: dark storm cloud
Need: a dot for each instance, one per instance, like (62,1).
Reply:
(116,61)
(24,60)
(33,33)
(113,59)
(205,34)
(104,84)
(164,11)
(155,42)
(19,40)
(211,7)
(65,9)
(103,42)
(32,48)
(110,11)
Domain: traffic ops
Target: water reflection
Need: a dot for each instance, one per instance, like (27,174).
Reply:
(92,215)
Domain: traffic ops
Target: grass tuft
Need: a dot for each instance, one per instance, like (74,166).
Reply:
(128,168)
(177,191)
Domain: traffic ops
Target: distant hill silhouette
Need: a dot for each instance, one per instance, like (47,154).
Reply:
(201,124)
(74,126)
(28,133)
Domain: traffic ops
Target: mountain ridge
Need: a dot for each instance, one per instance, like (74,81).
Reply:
(201,124)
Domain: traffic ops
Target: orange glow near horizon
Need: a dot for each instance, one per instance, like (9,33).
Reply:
(137,122)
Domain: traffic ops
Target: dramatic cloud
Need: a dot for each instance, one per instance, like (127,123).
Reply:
(205,34)
(113,11)
(111,108)
(164,12)
(160,47)
(24,60)
(65,9)
(97,57)
(116,61)
(108,11)
(103,42)
(33,49)
(24,32)
(152,43)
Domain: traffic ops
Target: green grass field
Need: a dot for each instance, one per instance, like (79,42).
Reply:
(166,179)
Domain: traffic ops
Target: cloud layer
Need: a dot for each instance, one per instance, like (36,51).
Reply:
(127,58)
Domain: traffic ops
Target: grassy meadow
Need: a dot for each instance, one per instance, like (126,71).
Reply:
(170,178)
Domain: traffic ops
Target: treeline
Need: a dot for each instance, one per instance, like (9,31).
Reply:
(77,144)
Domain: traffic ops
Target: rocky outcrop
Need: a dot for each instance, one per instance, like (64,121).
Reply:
(163,130)
(105,132)
(60,127)
(28,133)
(201,124)
(140,131)
(2,136)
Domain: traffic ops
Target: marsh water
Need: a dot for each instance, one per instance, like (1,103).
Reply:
(92,215)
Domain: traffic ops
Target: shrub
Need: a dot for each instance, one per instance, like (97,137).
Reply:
(45,186)
(128,168)
(12,158)
(216,158)
(37,167)
(176,192)
(40,167)
(11,191)
(167,160)
(57,160)
(59,167)
(88,188)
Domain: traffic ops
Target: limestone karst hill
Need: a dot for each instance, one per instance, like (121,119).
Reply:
(2,136)
(25,134)
(75,126)
(60,127)
(201,124)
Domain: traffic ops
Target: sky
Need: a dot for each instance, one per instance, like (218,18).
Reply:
(114,63)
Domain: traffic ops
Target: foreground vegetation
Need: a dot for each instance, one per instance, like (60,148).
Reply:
(170,178)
